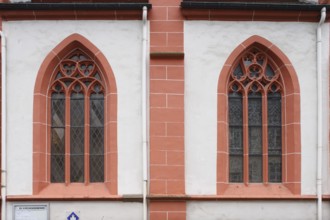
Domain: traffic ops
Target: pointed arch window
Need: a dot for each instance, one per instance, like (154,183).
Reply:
(255,119)
(77,121)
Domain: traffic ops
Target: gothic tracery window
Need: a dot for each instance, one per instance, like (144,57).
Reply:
(77,120)
(255,119)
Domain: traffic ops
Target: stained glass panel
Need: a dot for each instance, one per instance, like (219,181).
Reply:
(255,136)
(255,109)
(238,72)
(274,137)
(254,74)
(269,72)
(77,128)
(236,169)
(255,169)
(76,168)
(97,137)
(235,137)
(57,168)
(57,137)
(96,168)
(236,140)
(275,169)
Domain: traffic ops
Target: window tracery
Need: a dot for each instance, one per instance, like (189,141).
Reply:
(255,127)
(77,125)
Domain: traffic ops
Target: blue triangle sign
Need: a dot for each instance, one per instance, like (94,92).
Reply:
(73,216)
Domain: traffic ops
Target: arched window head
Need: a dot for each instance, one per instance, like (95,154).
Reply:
(258,122)
(77,125)
(255,133)
(75,122)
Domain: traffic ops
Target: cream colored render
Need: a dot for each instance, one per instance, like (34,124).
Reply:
(29,42)
(207,46)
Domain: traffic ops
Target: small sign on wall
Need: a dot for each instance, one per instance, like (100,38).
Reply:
(73,216)
(30,212)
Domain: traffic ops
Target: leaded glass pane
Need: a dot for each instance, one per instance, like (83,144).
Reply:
(57,168)
(235,137)
(57,140)
(275,169)
(77,109)
(269,72)
(96,168)
(236,169)
(77,140)
(255,169)
(274,137)
(274,140)
(77,120)
(254,73)
(255,136)
(97,137)
(274,109)
(58,110)
(235,109)
(255,140)
(96,112)
(238,72)
(236,140)
(96,140)
(76,168)
(57,137)
(255,109)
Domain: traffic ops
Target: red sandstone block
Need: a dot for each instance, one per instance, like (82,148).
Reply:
(175,101)
(157,157)
(168,206)
(158,39)
(165,62)
(165,3)
(158,72)
(166,26)
(165,172)
(174,13)
(175,158)
(175,39)
(158,186)
(158,13)
(175,72)
(175,187)
(175,129)
(157,129)
(157,100)
(167,143)
(176,216)
(170,53)
(166,115)
(158,215)
(166,86)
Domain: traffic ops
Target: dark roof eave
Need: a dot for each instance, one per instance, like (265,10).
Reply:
(252,6)
(74,6)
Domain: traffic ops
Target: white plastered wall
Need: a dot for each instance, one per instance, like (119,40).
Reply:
(208,44)
(28,43)
(89,210)
(325,93)
(20,1)
(256,210)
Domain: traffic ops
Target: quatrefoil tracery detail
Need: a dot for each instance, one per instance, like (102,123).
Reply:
(77,73)
(254,72)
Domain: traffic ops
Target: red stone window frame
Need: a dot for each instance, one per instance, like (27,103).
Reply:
(42,185)
(291,140)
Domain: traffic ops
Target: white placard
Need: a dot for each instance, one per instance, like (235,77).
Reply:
(30,212)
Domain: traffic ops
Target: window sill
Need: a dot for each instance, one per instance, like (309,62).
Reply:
(75,190)
(253,190)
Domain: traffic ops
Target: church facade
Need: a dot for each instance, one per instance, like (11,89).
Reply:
(165,109)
